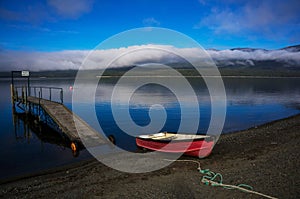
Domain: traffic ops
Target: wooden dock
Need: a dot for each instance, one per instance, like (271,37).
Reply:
(66,119)
(27,97)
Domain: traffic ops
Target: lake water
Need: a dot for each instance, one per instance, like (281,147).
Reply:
(250,102)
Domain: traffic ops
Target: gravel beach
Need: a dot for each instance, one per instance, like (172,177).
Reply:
(265,157)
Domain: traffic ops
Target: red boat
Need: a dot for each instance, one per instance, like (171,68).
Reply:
(192,145)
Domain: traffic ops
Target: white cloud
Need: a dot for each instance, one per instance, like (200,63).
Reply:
(36,13)
(31,13)
(257,55)
(71,8)
(15,60)
(261,17)
(151,22)
(72,59)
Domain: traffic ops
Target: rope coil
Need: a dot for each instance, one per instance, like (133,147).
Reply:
(210,178)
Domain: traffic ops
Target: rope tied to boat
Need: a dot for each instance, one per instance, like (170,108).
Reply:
(211,178)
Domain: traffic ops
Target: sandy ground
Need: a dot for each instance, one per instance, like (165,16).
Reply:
(265,157)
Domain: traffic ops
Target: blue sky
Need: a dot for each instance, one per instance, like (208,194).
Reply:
(55,25)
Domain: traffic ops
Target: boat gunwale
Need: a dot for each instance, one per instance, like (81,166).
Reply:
(175,139)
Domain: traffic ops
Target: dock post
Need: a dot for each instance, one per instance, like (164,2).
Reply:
(12,93)
(28,83)
(17,95)
(23,95)
(39,108)
(61,96)
(26,102)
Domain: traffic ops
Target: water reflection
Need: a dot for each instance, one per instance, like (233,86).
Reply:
(259,91)
(25,124)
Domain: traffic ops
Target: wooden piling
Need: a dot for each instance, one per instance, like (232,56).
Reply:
(12,94)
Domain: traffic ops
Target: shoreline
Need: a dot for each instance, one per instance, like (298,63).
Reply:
(92,159)
(161,76)
(259,156)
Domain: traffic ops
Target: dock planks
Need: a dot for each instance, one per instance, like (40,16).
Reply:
(64,118)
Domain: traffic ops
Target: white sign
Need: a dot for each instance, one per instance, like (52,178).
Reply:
(25,73)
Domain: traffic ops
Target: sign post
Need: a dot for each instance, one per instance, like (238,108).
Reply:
(25,74)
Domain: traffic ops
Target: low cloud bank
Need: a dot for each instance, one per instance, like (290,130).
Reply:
(36,61)
(72,59)
(250,56)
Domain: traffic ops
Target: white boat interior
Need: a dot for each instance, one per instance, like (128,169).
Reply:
(172,136)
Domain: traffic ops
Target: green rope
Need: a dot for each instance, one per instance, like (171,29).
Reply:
(216,179)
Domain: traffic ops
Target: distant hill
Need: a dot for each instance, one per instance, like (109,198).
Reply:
(235,62)
(248,49)
(284,61)
(295,48)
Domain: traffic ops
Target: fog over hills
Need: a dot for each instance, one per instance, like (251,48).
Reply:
(295,48)
(287,58)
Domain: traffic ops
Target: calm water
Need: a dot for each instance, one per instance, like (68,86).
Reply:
(250,102)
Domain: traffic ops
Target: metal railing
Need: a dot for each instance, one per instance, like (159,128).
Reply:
(53,94)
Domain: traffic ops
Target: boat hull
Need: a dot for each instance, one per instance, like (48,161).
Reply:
(198,147)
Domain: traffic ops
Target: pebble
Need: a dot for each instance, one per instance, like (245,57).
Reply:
(273,143)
